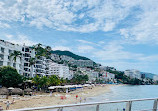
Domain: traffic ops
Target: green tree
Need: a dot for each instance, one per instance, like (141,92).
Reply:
(53,80)
(79,79)
(9,77)
(15,54)
(36,81)
(43,82)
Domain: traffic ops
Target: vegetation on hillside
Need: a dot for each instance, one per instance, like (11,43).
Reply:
(70,54)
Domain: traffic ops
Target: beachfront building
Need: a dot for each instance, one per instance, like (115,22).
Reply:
(92,75)
(6,48)
(108,76)
(27,55)
(133,73)
(60,70)
(22,64)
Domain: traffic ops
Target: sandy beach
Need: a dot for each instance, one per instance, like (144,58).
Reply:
(44,99)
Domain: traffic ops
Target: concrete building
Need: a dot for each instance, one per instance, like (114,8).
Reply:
(6,48)
(133,73)
(60,70)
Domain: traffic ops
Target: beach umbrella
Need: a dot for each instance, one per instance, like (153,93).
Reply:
(4,91)
(17,91)
(10,88)
(51,87)
(28,90)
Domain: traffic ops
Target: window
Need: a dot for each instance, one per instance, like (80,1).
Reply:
(1,63)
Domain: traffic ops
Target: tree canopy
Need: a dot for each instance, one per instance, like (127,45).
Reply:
(9,77)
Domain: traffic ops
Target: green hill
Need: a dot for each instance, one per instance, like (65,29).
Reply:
(70,54)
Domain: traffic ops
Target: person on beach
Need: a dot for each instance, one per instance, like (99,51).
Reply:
(84,99)
(50,93)
(1,109)
(13,101)
(7,105)
(76,96)
(80,99)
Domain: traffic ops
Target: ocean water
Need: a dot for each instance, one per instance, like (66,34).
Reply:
(125,92)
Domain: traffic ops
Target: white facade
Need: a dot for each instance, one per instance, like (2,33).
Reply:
(155,78)
(6,49)
(108,76)
(133,73)
(60,70)
(22,64)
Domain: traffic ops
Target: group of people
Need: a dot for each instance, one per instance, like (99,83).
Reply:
(80,99)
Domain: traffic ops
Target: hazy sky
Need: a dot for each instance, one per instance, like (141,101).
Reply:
(119,33)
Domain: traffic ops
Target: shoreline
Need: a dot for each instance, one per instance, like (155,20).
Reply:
(44,99)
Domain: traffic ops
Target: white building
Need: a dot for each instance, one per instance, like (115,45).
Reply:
(6,48)
(22,64)
(108,76)
(155,78)
(60,70)
(133,73)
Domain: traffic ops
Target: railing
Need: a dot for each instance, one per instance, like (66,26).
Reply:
(97,104)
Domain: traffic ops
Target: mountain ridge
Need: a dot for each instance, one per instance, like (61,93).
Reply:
(70,54)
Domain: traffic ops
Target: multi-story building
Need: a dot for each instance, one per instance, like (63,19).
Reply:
(60,70)
(27,55)
(6,48)
(133,73)
(41,67)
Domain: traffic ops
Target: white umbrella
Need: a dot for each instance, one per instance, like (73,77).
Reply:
(51,87)
(10,88)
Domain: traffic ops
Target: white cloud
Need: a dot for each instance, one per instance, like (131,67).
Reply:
(63,15)
(62,48)
(85,48)
(4,25)
(20,39)
(145,28)
(9,36)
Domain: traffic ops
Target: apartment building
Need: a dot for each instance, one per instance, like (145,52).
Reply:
(41,67)
(133,73)
(6,48)
(60,70)
(28,53)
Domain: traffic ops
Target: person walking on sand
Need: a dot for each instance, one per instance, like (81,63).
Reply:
(76,96)
(7,105)
(85,99)
(80,99)
(1,109)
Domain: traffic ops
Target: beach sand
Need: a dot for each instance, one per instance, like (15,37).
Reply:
(44,99)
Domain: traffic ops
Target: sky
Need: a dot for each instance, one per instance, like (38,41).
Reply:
(118,33)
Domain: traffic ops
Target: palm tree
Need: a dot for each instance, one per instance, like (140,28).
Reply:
(32,61)
(15,54)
